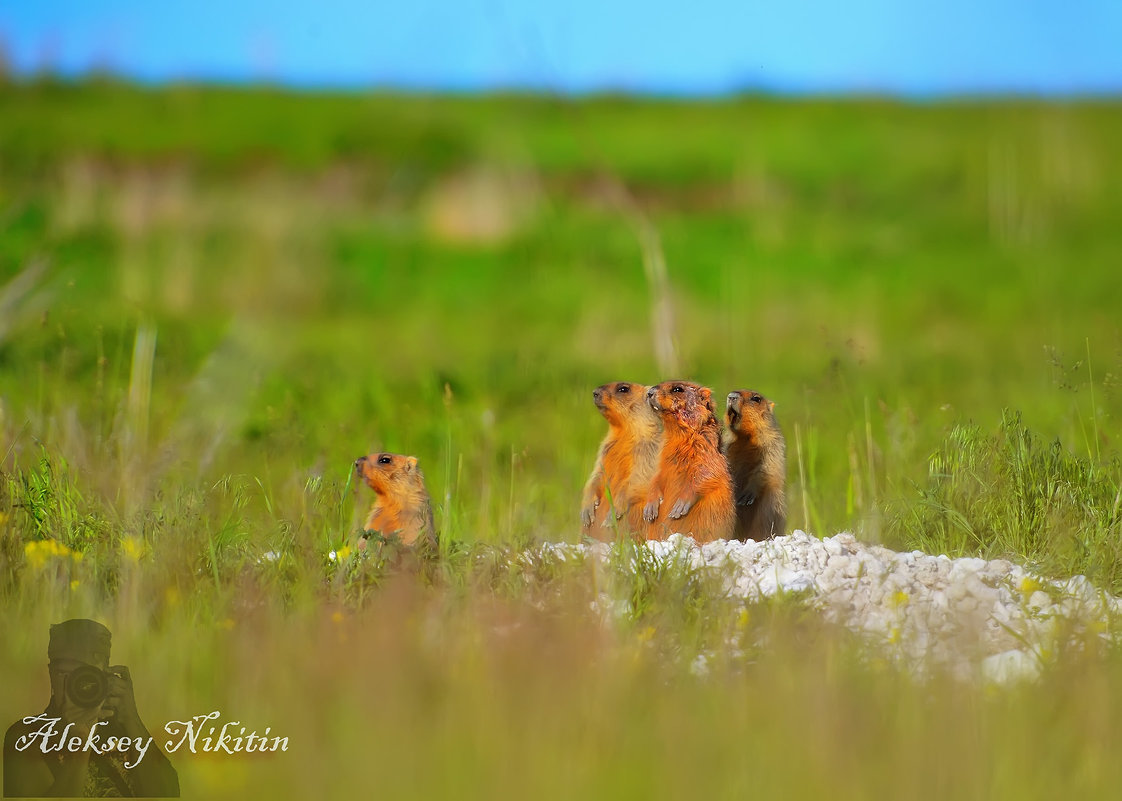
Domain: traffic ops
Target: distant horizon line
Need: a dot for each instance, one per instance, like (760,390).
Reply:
(94,76)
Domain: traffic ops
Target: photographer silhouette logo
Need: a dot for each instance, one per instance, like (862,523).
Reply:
(90,740)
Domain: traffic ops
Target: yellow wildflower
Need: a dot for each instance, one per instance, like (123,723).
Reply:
(34,554)
(40,552)
(133,548)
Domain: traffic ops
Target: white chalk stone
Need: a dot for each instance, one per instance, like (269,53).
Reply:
(963,614)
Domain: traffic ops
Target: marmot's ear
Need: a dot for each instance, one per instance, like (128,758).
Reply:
(410,463)
(771,406)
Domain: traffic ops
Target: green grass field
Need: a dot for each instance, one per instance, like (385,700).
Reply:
(213,300)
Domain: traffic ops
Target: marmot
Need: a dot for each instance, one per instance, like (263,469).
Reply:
(401,503)
(625,463)
(691,492)
(711,425)
(757,459)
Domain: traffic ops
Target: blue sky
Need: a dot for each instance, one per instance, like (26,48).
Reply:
(903,47)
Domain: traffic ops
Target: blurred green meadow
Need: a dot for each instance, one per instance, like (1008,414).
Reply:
(213,300)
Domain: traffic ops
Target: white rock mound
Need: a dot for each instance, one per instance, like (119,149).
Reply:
(994,618)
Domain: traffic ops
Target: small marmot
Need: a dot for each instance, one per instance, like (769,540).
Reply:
(401,503)
(691,492)
(757,459)
(625,463)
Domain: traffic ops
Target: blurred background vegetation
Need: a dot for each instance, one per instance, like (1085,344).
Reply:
(318,276)
(213,300)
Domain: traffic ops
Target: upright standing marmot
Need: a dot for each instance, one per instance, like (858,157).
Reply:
(757,458)
(691,492)
(401,503)
(625,463)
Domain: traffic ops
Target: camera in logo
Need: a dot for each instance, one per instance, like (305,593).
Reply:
(87,686)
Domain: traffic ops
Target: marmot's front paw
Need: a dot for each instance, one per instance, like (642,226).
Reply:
(650,511)
(680,509)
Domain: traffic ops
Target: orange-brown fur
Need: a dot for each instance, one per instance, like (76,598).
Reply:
(711,425)
(757,459)
(691,492)
(625,463)
(401,503)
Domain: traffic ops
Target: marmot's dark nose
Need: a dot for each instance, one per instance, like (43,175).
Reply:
(597,394)
(359,462)
(651,392)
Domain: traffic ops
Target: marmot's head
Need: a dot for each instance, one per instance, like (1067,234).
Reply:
(622,403)
(748,411)
(383,471)
(690,404)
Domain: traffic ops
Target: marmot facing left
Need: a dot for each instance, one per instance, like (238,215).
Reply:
(757,459)
(625,463)
(691,492)
(401,501)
